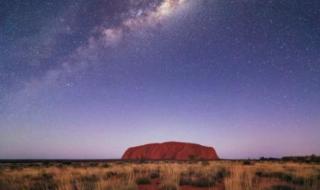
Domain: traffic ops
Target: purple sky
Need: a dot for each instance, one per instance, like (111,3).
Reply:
(87,79)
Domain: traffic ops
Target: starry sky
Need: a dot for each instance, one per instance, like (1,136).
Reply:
(87,79)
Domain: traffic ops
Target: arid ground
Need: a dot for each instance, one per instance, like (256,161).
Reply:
(160,175)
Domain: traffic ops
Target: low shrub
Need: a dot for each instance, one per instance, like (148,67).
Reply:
(282,176)
(247,163)
(44,181)
(143,181)
(281,187)
(90,178)
(67,163)
(5,185)
(106,165)
(203,182)
(155,174)
(199,180)
(221,174)
(76,164)
(185,180)
(205,163)
(93,164)
(88,182)
(110,174)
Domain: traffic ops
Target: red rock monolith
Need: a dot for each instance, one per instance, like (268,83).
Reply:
(170,151)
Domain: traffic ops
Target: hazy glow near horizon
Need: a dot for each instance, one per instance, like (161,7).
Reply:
(87,79)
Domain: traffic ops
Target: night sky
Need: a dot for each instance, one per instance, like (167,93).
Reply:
(87,79)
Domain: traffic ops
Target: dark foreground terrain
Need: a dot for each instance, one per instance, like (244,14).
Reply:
(159,175)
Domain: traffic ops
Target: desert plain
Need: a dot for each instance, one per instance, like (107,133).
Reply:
(160,175)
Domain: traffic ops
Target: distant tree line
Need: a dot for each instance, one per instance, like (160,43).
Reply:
(308,159)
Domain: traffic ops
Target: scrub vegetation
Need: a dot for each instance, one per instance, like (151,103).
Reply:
(160,175)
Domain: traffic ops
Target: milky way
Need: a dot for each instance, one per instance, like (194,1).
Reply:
(139,16)
(86,79)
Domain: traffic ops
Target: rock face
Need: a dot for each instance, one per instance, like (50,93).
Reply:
(170,151)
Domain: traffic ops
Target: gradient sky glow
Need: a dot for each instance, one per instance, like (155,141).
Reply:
(87,79)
